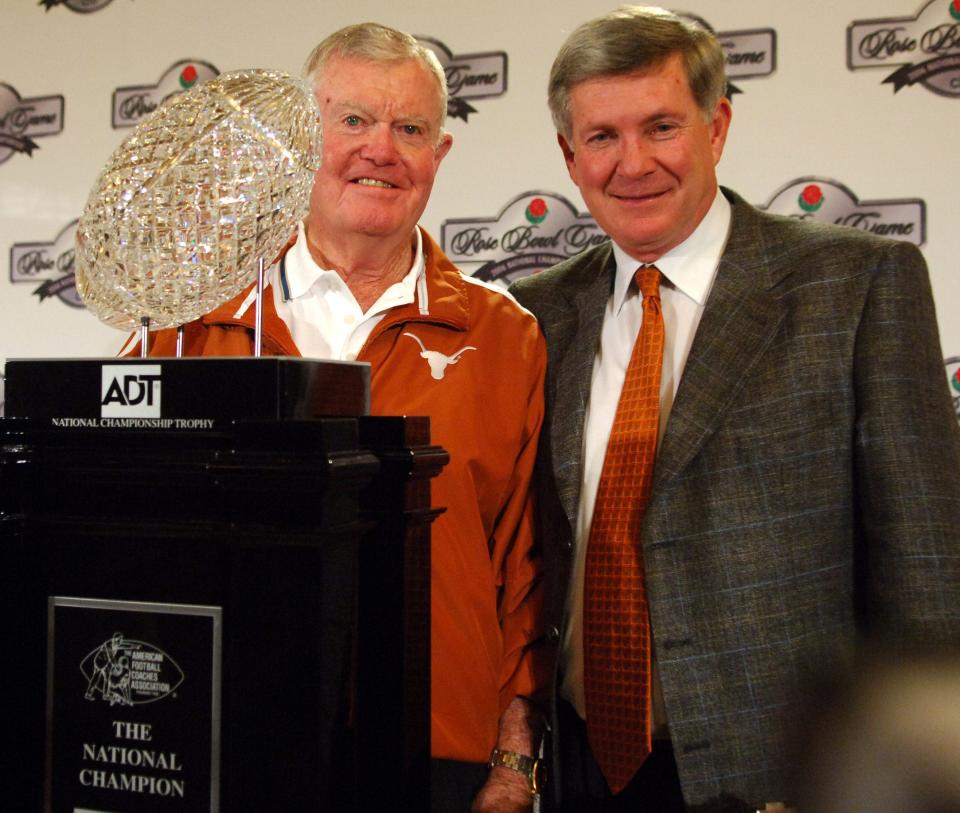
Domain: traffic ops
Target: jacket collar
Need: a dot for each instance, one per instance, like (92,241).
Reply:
(441,298)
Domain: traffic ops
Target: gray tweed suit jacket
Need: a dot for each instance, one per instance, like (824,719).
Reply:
(807,488)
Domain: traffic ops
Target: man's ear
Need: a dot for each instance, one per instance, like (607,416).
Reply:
(446,142)
(719,127)
(568,155)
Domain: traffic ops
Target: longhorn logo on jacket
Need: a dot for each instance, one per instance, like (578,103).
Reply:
(438,361)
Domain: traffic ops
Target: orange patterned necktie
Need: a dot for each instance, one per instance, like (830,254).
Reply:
(616,627)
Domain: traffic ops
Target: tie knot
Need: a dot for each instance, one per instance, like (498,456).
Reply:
(648,280)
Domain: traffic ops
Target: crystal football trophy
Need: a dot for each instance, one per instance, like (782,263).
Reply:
(189,207)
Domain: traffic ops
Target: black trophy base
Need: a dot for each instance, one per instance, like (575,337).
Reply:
(212,612)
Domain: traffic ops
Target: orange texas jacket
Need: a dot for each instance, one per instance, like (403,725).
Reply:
(485,409)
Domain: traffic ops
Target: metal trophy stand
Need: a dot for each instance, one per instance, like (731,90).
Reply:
(258,331)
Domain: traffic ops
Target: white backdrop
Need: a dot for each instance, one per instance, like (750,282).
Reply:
(812,119)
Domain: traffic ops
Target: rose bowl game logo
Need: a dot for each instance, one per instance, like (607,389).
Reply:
(953,382)
(925,49)
(131,104)
(749,53)
(828,201)
(22,120)
(533,231)
(469,76)
(80,6)
(124,672)
(49,264)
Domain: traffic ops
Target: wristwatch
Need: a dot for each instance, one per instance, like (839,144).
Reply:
(530,767)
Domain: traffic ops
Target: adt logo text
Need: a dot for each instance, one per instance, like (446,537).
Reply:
(130,391)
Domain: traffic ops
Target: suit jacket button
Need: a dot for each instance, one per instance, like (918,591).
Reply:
(553,633)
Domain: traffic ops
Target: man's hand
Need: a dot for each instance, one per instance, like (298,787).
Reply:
(505,791)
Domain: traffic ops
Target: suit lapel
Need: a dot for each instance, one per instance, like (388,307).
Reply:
(576,348)
(739,321)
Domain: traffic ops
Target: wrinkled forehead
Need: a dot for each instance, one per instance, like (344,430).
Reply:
(418,79)
(344,77)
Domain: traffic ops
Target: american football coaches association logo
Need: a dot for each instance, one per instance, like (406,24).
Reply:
(124,672)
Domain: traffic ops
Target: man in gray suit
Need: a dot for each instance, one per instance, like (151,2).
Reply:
(807,480)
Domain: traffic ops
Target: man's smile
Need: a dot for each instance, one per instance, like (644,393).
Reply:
(638,197)
(373,182)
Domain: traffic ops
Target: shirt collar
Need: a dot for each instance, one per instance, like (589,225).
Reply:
(691,266)
(299,272)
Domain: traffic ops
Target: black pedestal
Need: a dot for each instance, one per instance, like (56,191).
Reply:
(228,617)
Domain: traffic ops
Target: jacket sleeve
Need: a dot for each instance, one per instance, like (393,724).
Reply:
(517,557)
(907,459)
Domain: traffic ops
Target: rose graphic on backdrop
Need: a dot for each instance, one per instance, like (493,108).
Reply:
(811,198)
(955,9)
(188,77)
(537,211)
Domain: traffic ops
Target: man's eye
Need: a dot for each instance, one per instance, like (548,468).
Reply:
(663,130)
(599,138)
(351,120)
(411,129)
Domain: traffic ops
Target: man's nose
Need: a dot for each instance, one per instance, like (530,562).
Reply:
(637,157)
(380,146)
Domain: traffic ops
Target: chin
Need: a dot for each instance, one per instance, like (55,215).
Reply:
(374,226)
(380,231)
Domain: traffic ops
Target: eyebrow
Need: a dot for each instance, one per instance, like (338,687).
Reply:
(659,115)
(349,105)
(419,121)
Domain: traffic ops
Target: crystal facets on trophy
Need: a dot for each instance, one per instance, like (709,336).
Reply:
(205,189)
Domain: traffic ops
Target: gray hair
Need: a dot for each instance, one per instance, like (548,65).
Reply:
(636,38)
(377,43)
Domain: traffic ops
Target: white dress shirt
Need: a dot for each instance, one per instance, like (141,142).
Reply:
(320,309)
(688,272)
